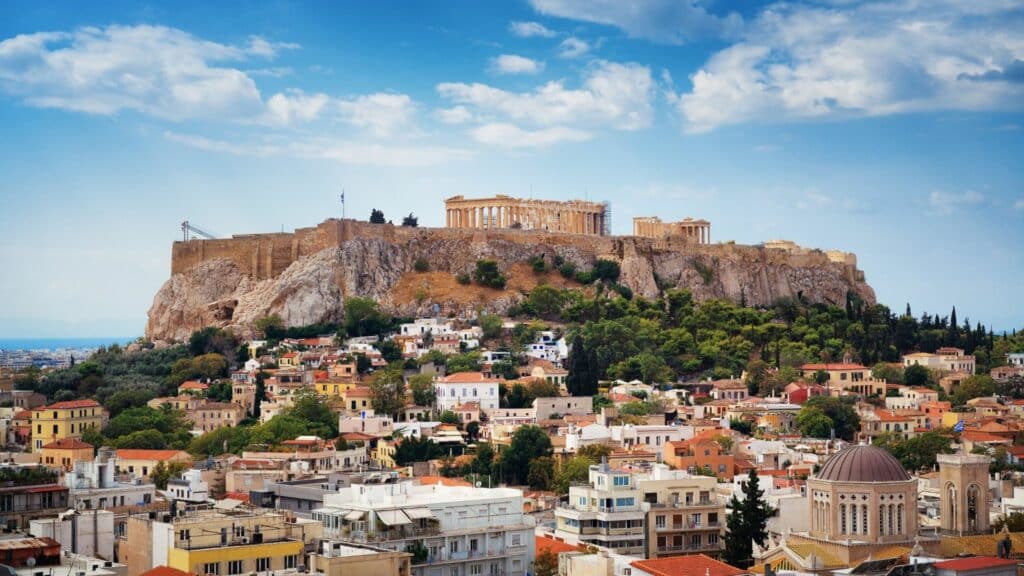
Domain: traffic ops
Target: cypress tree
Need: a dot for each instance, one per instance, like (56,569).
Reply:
(746,523)
(578,382)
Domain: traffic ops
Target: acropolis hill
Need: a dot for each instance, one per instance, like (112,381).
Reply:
(304,276)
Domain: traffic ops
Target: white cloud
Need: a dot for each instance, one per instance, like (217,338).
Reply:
(668,21)
(154,70)
(381,113)
(530,29)
(1019,204)
(512,136)
(295,106)
(802,62)
(515,64)
(946,202)
(346,152)
(454,115)
(612,94)
(573,47)
(261,47)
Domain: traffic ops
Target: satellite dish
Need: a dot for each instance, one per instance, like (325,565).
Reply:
(30,562)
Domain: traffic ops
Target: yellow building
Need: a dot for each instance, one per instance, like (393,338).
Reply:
(65,452)
(334,387)
(65,420)
(220,541)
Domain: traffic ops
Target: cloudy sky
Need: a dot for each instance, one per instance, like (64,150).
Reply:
(893,129)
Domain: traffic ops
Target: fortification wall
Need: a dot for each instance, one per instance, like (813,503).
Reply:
(264,256)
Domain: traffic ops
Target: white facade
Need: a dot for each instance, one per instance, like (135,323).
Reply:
(608,512)
(545,407)
(548,347)
(652,437)
(465,531)
(91,484)
(92,531)
(190,487)
(424,326)
(1015,359)
(466,387)
(946,360)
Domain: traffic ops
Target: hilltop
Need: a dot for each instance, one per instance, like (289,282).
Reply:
(304,276)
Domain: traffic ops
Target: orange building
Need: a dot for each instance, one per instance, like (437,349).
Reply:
(699,453)
(65,452)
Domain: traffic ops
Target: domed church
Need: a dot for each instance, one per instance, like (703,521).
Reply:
(863,494)
(862,504)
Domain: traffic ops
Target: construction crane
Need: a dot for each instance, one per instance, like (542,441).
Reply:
(186,228)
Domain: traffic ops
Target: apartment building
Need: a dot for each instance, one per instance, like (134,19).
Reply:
(219,542)
(607,511)
(210,416)
(450,530)
(946,359)
(685,515)
(29,492)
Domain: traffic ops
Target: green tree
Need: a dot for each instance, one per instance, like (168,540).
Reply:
(545,301)
(410,221)
(889,372)
(813,422)
(841,411)
(449,417)
(226,439)
(528,442)
(143,440)
(271,327)
(488,274)
(376,216)
(575,470)
(607,270)
(363,318)
(422,388)
(541,473)
(162,472)
(973,387)
(387,392)
(595,452)
(916,375)
(310,409)
(413,449)
(746,523)
(490,324)
(582,380)
(220,391)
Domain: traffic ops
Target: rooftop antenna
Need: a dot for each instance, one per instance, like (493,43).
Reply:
(342,197)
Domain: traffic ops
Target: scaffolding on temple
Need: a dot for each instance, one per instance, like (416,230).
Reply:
(607,227)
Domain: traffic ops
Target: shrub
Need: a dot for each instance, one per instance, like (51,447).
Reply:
(567,270)
(488,274)
(463,278)
(421,265)
(557,261)
(607,270)
(585,277)
(538,264)
(623,291)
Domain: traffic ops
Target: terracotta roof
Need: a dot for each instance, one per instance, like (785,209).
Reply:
(138,454)
(357,437)
(425,480)
(358,392)
(545,544)
(975,563)
(833,367)
(693,565)
(67,444)
(973,436)
(193,385)
(467,407)
(240,496)
(71,404)
(165,571)
(468,378)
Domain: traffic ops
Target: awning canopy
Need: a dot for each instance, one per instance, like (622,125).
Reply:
(393,517)
(419,513)
(355,515)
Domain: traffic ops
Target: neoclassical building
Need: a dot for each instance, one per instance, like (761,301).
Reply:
(863,494)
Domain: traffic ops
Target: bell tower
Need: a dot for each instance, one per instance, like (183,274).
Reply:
(964,496)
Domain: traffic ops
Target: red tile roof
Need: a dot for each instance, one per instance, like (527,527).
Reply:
(694,565)
(357,437)
(165,571)
(545,544)
(468,378)
(193,385)
(67,444)
(138,454)
(443,481)
(71,404)
(975,563)
(833,367)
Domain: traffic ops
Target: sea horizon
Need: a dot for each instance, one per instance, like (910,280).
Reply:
(58,342)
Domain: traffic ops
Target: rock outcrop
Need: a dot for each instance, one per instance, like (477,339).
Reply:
(232,283)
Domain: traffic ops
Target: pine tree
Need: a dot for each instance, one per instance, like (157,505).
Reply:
(908,310)
(746,523)
(953,336)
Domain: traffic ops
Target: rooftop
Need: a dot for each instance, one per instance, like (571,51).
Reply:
(69,404)
(690,565)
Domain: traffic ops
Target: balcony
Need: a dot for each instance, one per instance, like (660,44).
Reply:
(446,556)
(689,526)
(669,550)
(390,535)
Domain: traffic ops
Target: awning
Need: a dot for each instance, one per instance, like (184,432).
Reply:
(355,515)
(393,517)
(419,513)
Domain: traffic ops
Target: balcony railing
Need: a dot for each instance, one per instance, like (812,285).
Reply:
(389,535)
(689,526)
(685,549)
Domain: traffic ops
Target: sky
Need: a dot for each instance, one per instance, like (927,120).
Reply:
(892,129)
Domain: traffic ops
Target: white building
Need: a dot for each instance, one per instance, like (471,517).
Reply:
(467,387)
(460,530)
(424,326)
(607,512)
(190,487)
(548,347)
(88,532)
(947,359)
(1015,359)
(92,484)
(652,437)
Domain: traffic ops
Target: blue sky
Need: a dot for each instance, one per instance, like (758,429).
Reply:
(890,129)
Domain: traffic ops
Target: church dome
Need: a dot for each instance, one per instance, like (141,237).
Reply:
(863,464)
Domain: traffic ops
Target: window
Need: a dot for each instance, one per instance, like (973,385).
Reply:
(842,518)
(621,481)
(622,502)
(476,570)
(659,521)
(234,567)
(211,568)
(263,564)
(712,539)
(291,561)
(183,535)
(453,546)
(517,540)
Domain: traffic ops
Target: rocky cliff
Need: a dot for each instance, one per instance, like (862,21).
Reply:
(305,277)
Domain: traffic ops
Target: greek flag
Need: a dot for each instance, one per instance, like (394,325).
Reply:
(959,426)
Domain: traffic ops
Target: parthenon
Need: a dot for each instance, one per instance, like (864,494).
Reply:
(573,216)
(697,231)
